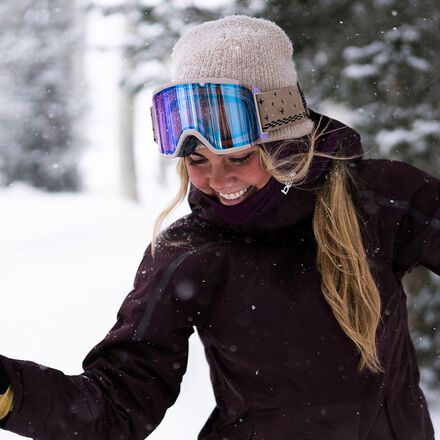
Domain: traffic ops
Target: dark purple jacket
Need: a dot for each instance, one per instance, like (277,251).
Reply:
(281,367)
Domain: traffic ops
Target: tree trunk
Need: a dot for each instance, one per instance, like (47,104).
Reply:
(127,169)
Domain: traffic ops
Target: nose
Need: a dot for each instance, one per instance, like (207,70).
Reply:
(221,176)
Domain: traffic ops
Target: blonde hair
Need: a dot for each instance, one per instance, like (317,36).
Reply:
(346,280)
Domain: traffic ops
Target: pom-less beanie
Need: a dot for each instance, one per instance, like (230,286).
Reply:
(254,51)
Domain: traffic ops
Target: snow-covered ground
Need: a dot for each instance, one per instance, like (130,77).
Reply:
(68,260)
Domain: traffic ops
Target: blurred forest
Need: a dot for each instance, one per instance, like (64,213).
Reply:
(39,102)
(376,61)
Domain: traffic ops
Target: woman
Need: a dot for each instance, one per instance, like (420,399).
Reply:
(289,266)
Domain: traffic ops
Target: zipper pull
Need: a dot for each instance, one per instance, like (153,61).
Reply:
(286,188)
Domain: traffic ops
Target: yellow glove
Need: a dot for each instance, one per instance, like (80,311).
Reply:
(6,403)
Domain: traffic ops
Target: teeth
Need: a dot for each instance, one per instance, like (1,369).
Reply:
(235,195)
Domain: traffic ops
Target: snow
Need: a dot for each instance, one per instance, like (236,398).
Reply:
(389,139)
(68,260)
(354,53)
(418,63)
(357,71)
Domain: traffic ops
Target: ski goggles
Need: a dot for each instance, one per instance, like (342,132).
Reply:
(223,115)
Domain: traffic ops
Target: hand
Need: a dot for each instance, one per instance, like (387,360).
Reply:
(4,379)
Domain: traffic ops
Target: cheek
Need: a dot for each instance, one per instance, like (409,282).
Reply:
(197,177)
(258,177)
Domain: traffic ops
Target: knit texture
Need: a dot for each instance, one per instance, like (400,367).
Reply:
(254,51)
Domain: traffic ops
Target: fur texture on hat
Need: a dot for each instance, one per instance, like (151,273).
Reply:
(254,51)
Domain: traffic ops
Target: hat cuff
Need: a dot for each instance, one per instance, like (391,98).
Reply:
(295,131)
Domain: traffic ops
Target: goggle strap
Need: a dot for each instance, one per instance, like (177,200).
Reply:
(153,124)
(302,98)
(282,107)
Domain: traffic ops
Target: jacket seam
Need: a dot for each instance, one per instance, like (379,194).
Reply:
(162,285)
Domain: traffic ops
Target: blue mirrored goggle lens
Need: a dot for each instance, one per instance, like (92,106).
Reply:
(223,113)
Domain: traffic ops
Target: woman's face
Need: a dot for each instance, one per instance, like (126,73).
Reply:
(231,178)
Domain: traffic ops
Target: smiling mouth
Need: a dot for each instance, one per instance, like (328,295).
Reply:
(236,195)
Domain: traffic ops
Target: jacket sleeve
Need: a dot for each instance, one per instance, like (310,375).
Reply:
(418,237)
(129,379)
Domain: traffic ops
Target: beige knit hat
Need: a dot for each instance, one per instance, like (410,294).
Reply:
(254,51)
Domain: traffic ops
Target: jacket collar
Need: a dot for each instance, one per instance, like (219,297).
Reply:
(270,209)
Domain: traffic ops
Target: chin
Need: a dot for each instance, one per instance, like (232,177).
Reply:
(231,202)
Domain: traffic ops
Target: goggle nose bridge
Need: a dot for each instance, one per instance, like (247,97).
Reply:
(189,145)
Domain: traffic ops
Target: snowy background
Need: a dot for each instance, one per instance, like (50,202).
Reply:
(68,260)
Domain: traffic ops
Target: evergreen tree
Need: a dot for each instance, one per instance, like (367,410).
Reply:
(153,29)
(379,59)
(37,103)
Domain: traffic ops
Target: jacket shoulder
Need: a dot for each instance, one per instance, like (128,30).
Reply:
(177,246)
(186,234)
(401,203)
(394,179)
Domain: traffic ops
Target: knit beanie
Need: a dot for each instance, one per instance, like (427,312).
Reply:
(254,51)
